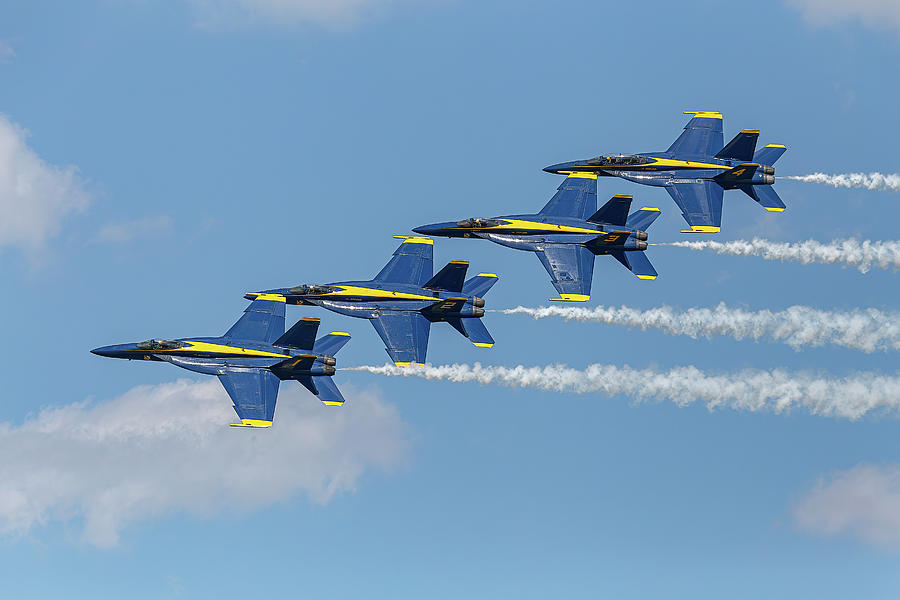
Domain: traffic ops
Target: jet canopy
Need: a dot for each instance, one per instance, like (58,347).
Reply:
(311,290)
(160,345)
(617,160)
(479,223)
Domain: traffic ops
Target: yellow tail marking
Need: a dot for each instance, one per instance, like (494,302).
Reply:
(749,130)
(339,333)
(310,319)
(459,262)
(486,275)
(483,345)
(646,276)
(332,403)
(653,208)
(775,146)
(623,196)
(774,209)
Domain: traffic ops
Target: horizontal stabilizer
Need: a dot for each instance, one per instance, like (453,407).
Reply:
(769,154)
(450,278)
(327,391)
(331,343)
(766,196)
(742,172)
(480,284)
(741,147)
(642,218)
(301,336)
(614,212)
(636,262)
(475,330)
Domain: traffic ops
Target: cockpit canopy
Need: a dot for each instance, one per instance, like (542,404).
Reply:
(478,223)
(311,290)
(160,345)
(618,160)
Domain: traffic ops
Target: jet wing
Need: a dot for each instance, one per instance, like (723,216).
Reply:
(702,136)
(253,392)
(262,321)
(575,197)
(412,262)
(700,204)
(405,336)
(571,269)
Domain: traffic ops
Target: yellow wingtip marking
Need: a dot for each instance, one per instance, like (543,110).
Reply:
(412,239)
(409,364)
(571,298)
(483,345)
(487,275)
(339,333)
(252,423)
(773,209)
(702,229)
(646,276)
(272,297)
(332,403)
(652,208)
(776,146)
(708,114)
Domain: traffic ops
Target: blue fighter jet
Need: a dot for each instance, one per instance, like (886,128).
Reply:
(403,300)
(252,358)
(696,170)
(567,234)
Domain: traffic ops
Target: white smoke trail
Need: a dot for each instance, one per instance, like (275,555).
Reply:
(751,390)
(870,181)
(797,326)
(862,255)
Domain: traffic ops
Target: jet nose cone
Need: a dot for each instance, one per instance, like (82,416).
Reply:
(103,351)
(116,351)
(555,168)
(433,229)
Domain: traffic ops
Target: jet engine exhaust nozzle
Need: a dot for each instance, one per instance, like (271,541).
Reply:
(768,179)
(329,361)
(328,370)
(640,245)
(641,235)
(478,312)
(478,302)
(767,170)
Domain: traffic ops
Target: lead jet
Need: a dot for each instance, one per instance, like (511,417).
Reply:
(404,299)
(696,170)
(252,358)
(567,234)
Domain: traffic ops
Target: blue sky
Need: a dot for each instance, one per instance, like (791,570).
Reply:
(159,159)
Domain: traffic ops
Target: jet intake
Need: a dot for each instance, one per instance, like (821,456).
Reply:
(641,235)
(478,302)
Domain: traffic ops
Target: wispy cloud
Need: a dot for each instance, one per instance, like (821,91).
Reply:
(327,13)
(862,502)
(168,448)
(883,14)
(35,196)
(7,53)
(123,232)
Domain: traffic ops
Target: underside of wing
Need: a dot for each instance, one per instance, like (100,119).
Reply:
(405,336)
(253,392)
(700,204)
(702,136)
(412,262)
(571,269)
(575,197)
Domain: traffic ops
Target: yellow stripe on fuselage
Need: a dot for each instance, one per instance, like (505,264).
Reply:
(519,224)
(207,348)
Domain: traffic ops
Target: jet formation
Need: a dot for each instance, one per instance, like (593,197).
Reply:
(253,357)
(406,297)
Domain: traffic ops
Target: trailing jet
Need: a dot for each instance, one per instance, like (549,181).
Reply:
(567,234)
(252,358)
(696,170)
(403,300)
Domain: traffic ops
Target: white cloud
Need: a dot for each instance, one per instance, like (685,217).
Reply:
(122,232)
(168,448)
(329,13)
(874,13)
(7,53)
(34,196)
(862,502)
